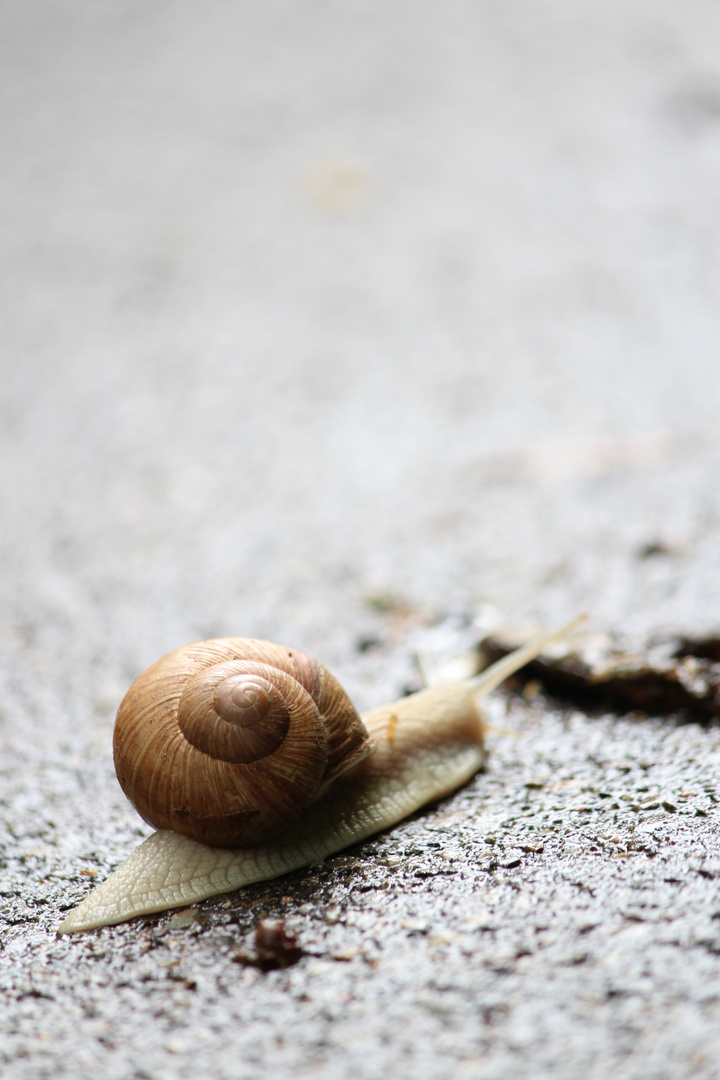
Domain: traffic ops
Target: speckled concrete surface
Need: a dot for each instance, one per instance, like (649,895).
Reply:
(307,305)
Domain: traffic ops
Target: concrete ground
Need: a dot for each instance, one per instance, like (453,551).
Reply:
(345,325)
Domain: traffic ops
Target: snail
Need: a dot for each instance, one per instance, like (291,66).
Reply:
(299,775)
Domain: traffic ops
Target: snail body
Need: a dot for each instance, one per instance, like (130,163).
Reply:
(367,773)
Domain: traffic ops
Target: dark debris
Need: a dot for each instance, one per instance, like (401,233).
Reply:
(672,675)
(275,947)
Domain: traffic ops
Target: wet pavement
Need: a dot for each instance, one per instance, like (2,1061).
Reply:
(366,330)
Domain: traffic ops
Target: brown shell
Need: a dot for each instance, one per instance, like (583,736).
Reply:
(228,741)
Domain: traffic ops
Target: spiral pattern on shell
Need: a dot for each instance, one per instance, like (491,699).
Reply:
(227,741)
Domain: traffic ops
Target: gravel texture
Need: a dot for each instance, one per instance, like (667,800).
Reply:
(358,326)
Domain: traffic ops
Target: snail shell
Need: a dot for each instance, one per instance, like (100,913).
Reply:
(228,741)
(423,747)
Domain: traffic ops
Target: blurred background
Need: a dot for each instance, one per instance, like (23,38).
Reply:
(310,304)
(341,324)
